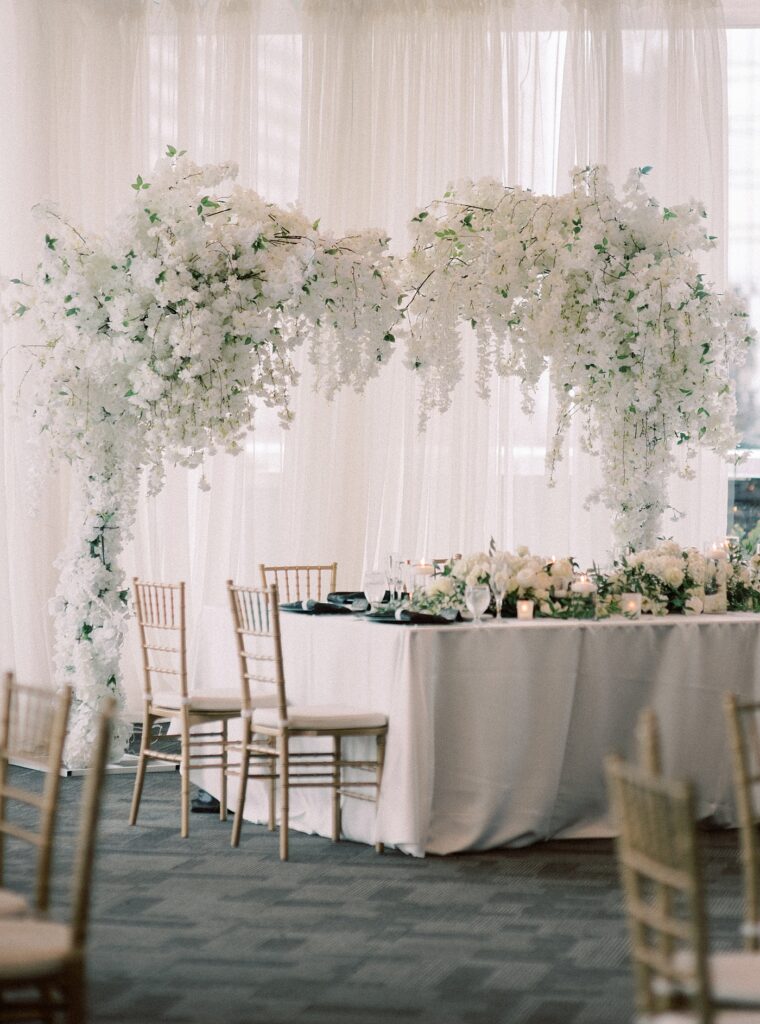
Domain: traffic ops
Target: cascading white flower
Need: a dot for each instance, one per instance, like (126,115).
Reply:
(603,291)
(160,340)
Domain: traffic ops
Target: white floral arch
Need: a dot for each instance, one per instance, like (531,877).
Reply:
(161,339)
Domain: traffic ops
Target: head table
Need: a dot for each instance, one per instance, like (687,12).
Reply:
(498,732)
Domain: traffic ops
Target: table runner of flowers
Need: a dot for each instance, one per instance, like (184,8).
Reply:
(670,579)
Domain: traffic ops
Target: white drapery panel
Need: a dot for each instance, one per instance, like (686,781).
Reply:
(363,111)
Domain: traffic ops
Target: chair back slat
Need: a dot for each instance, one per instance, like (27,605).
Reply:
(91,801)
(662,883)
(743,720)
(300,582)
(256,620)
(161,620)
(648,743)
(33,724)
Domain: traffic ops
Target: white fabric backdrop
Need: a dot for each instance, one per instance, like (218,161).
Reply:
(362,110)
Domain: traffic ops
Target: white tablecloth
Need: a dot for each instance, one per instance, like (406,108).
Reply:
(498,732)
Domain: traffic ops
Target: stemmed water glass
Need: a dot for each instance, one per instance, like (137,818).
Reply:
(477,598)
(374,587)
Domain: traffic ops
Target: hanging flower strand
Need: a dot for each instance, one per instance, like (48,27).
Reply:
(606,294)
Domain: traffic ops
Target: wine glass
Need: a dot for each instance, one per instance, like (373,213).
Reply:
(499,591)
(374,587)
(477,598)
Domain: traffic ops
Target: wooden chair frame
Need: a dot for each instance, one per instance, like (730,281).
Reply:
(265,751)
(161,618)
(300,582)
(60,988)
(648,742)
(743,721)
(33,725)
(663,886)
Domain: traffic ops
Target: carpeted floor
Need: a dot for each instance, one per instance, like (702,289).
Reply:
(194,932)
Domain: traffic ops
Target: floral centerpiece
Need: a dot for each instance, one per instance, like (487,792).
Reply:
(511,577)
(671,579)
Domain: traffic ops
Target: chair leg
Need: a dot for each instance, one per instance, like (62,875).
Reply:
(336,816)
(223,794)
(245,758)
(284,751)
(272,794)
(185,770)
(148,720)
(75,994)
(380,748)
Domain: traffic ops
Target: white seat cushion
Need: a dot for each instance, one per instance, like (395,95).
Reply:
(723,1017)
(322,716)
(222,701)
(12,904)
(31,948)
(735,977)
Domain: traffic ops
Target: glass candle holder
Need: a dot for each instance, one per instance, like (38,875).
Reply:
(525,609)
(630,605)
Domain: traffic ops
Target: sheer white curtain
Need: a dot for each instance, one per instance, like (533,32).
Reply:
(404,96)
(362,110)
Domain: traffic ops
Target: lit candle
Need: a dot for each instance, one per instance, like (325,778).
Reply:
(583,586)
(718,552)
(630,605)
(525,609)
(421,574)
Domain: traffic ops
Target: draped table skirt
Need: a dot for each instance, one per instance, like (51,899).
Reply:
(498,732)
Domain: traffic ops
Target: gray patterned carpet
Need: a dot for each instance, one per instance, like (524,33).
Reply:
(193,932)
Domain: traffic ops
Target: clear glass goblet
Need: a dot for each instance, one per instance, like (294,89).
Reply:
(374,587)
(477,598)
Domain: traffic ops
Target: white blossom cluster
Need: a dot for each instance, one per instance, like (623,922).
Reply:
(670,578)
(511,576)
(158,341)
(605,293)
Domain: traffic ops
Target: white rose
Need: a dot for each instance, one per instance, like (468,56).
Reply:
(561,568)
(673,576)
(525,578)
(441,585)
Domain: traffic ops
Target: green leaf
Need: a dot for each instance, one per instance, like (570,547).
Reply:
(645,170)
(50,242)
(668,214)
(388,336)
(420,217)
(72,311)
(20,309)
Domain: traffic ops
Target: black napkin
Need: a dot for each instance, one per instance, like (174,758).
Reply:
(312,607)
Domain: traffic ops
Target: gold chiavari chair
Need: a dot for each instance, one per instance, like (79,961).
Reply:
(161,618)
(664,895)
(266,751)
(42,963)
(743,720)
(300,582)
(32,731)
